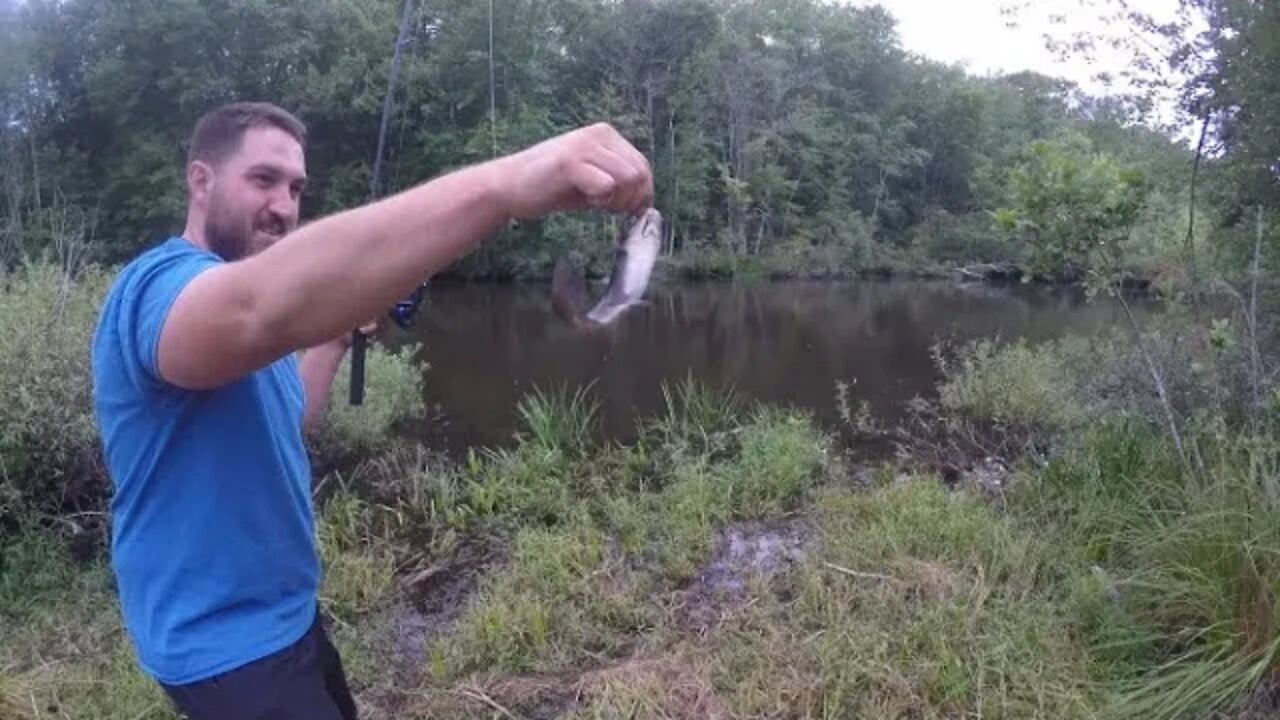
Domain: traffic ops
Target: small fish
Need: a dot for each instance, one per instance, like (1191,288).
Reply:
(632,262)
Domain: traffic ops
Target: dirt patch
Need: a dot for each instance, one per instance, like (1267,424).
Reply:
(744,554)
(436,596)
(1262,704)
(530,697)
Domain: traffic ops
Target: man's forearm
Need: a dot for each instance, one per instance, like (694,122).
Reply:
(327,277)
(331,275)
(318,367)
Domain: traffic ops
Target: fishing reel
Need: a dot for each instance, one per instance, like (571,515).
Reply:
(405,309)
(401,314)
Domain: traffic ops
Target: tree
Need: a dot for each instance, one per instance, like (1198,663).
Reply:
(1074,207)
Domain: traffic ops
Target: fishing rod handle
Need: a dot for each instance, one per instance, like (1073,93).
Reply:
(358,345)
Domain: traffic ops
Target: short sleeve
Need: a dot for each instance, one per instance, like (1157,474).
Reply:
(148,297)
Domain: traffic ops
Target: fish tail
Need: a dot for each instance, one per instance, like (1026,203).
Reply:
(568,293)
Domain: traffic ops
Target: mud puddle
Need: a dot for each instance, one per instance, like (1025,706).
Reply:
(744,554)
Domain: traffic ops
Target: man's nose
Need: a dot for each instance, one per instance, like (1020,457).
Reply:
(284,205)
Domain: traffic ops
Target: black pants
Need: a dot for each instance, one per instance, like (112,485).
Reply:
(305,681)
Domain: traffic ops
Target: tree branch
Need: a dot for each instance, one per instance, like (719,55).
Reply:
(1191,220)
(1158,379)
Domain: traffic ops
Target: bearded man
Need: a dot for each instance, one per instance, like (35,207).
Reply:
(202,401)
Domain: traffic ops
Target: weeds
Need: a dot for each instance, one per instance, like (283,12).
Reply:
(559,422)
(393,395)
(48,445)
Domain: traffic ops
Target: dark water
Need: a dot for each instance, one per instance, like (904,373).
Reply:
(489,345)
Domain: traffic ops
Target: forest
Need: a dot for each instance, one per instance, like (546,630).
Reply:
(793,137)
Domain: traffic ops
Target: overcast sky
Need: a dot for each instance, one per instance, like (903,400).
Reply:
(974,32)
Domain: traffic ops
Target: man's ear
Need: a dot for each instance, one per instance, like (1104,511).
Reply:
(199,180)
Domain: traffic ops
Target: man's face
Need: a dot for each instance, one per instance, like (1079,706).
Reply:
(254,195)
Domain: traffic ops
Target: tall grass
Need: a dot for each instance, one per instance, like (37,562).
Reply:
(559,421)
(1190,554)
(1205,578)
(48,445)
(393,396)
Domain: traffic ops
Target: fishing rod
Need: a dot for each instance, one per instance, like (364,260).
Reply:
(404,310)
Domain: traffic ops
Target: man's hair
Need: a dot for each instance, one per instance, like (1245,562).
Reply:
(218,132)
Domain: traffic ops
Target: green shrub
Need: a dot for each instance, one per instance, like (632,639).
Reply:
(48,441)
(1012,384)
(392,395)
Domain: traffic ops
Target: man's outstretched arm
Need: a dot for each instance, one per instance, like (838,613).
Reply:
(330,276)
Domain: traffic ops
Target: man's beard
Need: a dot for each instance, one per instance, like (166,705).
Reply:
(227,238)
(232,239)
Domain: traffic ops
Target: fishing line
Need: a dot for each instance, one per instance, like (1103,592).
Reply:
(403,311)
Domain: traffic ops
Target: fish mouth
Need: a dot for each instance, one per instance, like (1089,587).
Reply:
(642,221)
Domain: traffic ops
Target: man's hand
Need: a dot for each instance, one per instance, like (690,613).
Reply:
(590,168)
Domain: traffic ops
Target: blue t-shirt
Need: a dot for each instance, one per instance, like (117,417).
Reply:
(212,528)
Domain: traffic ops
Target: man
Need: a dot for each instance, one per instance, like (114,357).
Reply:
(202,401)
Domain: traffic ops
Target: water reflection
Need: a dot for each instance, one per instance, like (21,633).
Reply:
(488,345)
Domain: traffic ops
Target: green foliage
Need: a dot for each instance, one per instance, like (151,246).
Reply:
(48,442)
(827,149)
(1177,531)
(1012,384)
(559,423)
(1075,208)
(63,654)
(914,602)
(563,600)
(393,395)
(1183,604)
(354,539)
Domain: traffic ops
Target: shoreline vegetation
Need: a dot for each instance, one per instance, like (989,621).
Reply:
(1038,545)
(727,268)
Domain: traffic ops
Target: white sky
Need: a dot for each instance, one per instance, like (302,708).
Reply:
(976,34)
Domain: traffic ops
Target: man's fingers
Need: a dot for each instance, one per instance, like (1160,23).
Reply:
(595,183)
(644,187)
(630,178)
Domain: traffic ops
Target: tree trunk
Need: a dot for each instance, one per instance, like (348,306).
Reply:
(875,210)
(674,208)
(1191,208)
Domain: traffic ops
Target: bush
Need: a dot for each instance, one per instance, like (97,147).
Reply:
(1056,386)
(1014,384)
(392,395)
(49,459)
(50,456)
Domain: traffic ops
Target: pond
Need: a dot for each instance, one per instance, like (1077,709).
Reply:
(488,345)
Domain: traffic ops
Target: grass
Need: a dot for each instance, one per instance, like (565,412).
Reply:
(1196,563)
(721,566)
(63,654)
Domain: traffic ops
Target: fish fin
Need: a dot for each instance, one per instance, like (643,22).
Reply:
(568,293)
(606,311)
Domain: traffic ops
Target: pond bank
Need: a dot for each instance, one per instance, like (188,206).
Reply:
(669,270)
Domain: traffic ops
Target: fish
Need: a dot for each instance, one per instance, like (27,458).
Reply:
(633,260)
